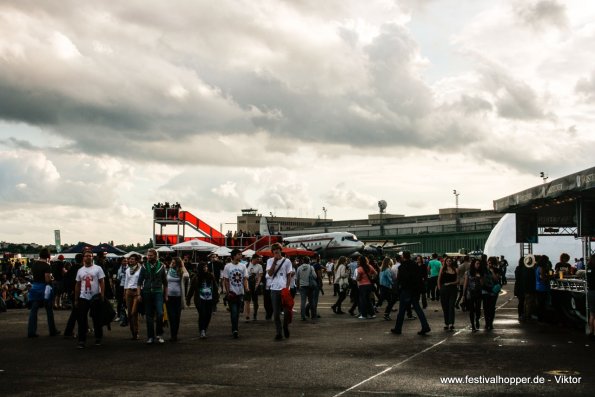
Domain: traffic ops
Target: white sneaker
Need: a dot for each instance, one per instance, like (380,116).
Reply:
(150,341)
(160,339)
(203,334)
(361,317)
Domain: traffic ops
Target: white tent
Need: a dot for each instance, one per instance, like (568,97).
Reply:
(195,245)
(222,251)
(165,248)
(502,241)
(128,255)
(248,253)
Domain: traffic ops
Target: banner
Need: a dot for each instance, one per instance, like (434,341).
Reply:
(57,239)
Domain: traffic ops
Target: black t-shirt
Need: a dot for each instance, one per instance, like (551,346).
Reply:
(58,270)
(409,276)
(590,279)
(39,269)
(562,267)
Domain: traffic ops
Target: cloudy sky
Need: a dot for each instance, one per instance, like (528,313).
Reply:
(283,106)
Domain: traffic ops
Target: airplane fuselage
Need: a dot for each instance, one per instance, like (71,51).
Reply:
(327,245)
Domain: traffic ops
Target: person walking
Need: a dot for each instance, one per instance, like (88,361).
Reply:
(131,294)
(410,282)
(490,291)
(386,287)
(255,273)
(152,282)
(120,296)
(434,267)
(341,284)
(74,313)
(447,284)
(177,277)
(202,286)
(280,271)
(235,283)
(306,283)
(365,278)
(89,293)
(461,271)
(472,292)
(40,294)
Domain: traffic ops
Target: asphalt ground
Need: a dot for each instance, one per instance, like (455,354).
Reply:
(338,355)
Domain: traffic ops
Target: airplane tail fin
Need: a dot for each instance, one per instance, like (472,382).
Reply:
(264,227)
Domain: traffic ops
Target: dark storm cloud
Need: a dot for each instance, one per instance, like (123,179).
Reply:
(152,75)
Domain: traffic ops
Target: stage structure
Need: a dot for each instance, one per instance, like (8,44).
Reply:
(166,215)
(562,207)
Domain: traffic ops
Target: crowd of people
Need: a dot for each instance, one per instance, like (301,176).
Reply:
(160,288)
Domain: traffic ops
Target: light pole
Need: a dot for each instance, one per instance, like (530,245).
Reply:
(325,227)
(456,209)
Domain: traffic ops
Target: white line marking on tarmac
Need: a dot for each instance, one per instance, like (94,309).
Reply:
(407,359)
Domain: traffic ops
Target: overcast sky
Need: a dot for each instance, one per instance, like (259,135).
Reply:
(283,106)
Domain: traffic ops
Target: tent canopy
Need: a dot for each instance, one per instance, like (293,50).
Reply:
(195,245)
(78,248)
(222,251)
(110,249)
(165,248)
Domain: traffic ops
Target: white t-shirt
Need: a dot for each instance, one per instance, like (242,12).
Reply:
(131,280)
(329,267)
(89,278)
(279,282)
(395,270)
(254,269)
(235,274)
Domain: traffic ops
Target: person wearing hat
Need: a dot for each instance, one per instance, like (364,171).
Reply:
(529,286)
(235,284)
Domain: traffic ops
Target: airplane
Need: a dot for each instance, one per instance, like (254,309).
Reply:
(380,250)
(327,245)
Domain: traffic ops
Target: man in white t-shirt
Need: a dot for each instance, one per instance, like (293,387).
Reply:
(89,293)
(235,283)
(254,279)
(280,272)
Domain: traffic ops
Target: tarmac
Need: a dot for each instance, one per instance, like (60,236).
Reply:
(339,355)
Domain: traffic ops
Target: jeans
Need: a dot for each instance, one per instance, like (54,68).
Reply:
(305,292)
(205,311)
(72,320)
(234,312)
(153,302)
(342,295)
(365,303)
(32,326)
(277,308)
(132,308)
(314,305)
(474,307)
(489,308)
(94,307)
(448,297)
(174,312)
(268,304)
(432,286)
(408,298)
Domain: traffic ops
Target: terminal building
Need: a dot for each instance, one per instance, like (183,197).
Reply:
(450,230)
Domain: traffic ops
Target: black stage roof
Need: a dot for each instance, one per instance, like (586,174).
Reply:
(565,202)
